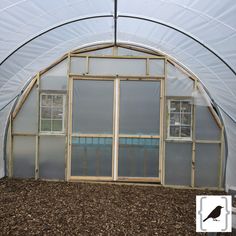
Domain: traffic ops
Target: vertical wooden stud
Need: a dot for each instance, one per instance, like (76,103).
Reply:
(115,51)
(38,129)
(36,157)
(163,115)
(69,142)
(10,160)
(193,138)
(87,65)
(116,139)
(67,112)
(161,140)
(113,129)
(147,66)
(222,153)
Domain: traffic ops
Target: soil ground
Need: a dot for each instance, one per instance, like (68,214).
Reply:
(29,207)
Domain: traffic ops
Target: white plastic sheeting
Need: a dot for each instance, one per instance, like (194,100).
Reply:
(20,20)
(211,71)
(212,23)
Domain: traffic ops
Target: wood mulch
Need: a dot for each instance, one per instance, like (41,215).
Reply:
(29,207)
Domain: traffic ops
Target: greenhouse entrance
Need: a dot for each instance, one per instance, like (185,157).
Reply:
(113,115)
(115,131)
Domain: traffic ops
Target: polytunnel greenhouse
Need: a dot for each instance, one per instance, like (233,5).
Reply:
(119,91)
(106,91)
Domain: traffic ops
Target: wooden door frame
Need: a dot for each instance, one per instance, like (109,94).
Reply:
(115,135)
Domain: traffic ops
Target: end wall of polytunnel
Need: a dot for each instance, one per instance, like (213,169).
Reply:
(97,79)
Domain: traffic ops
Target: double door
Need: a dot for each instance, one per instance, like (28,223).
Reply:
(115,133)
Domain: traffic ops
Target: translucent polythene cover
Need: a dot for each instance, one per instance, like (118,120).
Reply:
(27,119)
(212,23)
(23,156)
(134,67)
(56,78)
(178,83)
(140,107)
(52,157)
(178,163)
(138,157)
(91,157)
(92,106)
(207,158)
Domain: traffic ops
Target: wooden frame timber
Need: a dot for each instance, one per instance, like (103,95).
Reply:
(163,124)
(38,124)
(110,77)
(69,127)
(67,139)
(117,56)
(116,104)
(116,125)
(10,160)
(162,130)
(193,139)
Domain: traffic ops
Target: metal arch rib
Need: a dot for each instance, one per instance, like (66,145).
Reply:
(53,28)
(182,32)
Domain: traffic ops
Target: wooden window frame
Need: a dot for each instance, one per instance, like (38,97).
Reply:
(52,132)
(190,138)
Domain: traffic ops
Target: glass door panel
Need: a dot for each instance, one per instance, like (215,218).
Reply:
(139,130)
(140,107)
(92,107)
(138,157)
(91,157)
(92,128)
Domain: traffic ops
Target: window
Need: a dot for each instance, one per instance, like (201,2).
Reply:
(179,119)
(52,113)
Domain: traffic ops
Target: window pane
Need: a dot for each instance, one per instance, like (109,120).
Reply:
(185,131)
(185,106)
(175,119)
(52,112)
(45,125)
(58,100)
(56,125)
(45,112)
(174,106)
(180,118)
(185,119)
(174,131)
(46,100)
(57,113)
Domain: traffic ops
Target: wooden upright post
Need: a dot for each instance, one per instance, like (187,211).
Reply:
(38,129)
